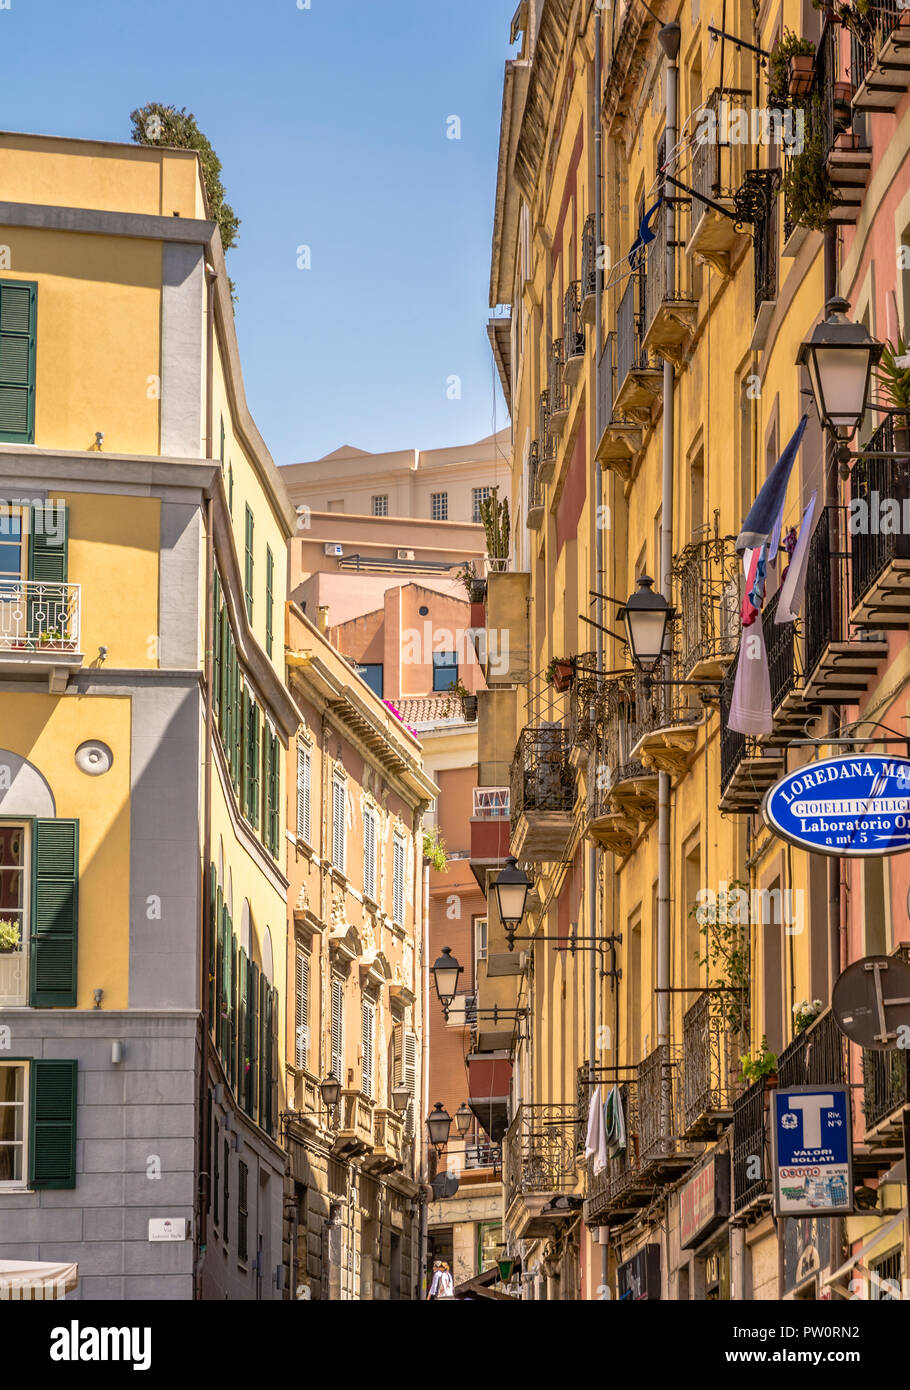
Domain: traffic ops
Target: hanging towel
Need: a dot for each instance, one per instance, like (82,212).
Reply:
(750,706)
(596,1140)
(614,1124)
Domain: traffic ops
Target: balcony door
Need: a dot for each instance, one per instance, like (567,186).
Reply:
(14,880)
(13,574)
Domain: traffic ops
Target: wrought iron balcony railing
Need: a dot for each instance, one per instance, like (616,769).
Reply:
(718,164)
(543,778)
(535,487)
(664,251)
(624,721)
(630,354)
(886,1079)
(733,744)
(38,616)
(871,480)
(750,1171)
(573,326)
(588,258)
(613,1187)
(818,608)
(660,1110)
(872,31)
(707,596)
(585,708)
(557,390)
(815,1057)
(539,1151)
(605,392)
(490,803)
(483,1156)
(547,440)
(711,1053)
(781,649)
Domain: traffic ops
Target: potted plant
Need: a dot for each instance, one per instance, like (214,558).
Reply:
(790,68)
(808,190)
(763,1067)
(804,1013)
(893,376)
(560,672)
(475,585)
(497,529)
(9,935)
(468,701)
(434,849)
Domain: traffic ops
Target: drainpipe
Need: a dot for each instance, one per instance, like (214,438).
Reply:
(419,1127)
(205,1140)
(669,37)
(593,956)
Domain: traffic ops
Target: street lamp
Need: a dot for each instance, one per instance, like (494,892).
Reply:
(400,1097)
(839,358)
(439,1123)
(445,976)
(330,1090)
(464,1118)
(645,615)
(512,887)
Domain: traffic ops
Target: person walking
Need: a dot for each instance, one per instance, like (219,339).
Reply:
(434,1282)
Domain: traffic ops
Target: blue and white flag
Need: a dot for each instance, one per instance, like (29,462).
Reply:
(759,525)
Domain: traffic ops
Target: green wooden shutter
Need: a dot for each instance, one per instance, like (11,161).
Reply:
(18,316)
(253,1025)
(55,913)
(269,599)
(48,545)
(248,564)
(232,1064)
(52,1138)
(242,1053)
(264,1060)
(272,1125)
(237,727)
(252,802)
(217,620)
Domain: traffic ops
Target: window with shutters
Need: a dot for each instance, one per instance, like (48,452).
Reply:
(18,314)
(251,807)
(399,856)
(302,1010)
(39,907)
(370,842)
(242,1211)
(37,1124)
(304,763)
(338,1029)
(226,1208)
(269,599)
(14,912)
(410,1080)
(221,445)
(339,825)
(248,564)
(368,1034)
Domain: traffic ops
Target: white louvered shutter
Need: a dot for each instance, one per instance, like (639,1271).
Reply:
(398,862)
(338,1029)
(410,1079)
(338,826)
(368,1032)
(302,1030)
(369,854)
(303,792)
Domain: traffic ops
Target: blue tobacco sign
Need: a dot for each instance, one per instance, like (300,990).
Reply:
(851,807)
(812,1161)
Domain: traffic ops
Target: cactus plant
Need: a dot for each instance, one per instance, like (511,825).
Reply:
(497,528)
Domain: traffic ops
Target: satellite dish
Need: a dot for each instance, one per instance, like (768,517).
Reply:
(871,1001)
(444,1185)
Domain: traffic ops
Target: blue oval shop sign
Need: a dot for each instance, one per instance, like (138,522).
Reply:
(847,806)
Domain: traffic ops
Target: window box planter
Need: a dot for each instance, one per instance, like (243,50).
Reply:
(469,708)
(801,69)
(561,673)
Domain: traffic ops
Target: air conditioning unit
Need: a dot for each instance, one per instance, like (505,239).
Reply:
(332,548)
(405,555)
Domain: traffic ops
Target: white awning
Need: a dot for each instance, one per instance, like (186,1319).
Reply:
(25,1279)
(869,1244)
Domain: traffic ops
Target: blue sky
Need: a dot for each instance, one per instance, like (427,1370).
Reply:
(331,126)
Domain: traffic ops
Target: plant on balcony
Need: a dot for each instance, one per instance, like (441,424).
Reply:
(727,958)
(788,46)
(807,187)
(893,376)
(497,529)
(854,17)
(560,672)
(804,1013)
(762,1067)
(468,701)
(52,637)
(475,586)
(434,850)
(9,935)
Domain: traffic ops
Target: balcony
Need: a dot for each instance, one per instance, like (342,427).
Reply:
(717,172)
(40,631)
(815,1057)
(388,1142)
(639,384)
(557,391)
(619,1190)
(573,335)
(886,1089)
(588,269)
(747,770)
(751,1192)
(670,309)
(542,794)
(622,792)
(535,488)
(548,441)
(711,1052)
(584,706)
(881,559)
(621,443)
(355,1126)
(790,708)
(663,1153)
(706,595)
(671,717)
(881,59)
(838,672)
(539,1164)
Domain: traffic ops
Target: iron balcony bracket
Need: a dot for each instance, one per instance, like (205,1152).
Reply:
(737,42)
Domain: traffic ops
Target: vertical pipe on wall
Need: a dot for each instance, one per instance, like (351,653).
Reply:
(669,37)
